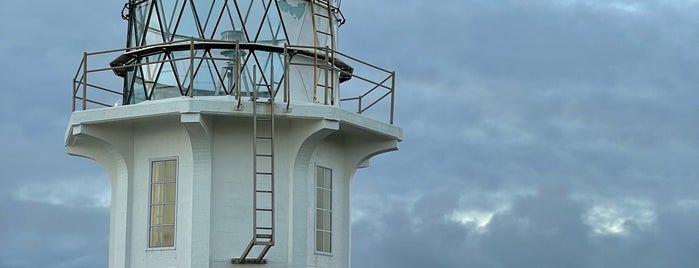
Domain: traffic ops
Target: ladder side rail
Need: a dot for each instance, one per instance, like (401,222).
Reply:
(254,153)
(326,69)
(331,53)
(315,45)
(271,153)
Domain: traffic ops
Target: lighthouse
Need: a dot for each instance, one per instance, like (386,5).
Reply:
(230,130)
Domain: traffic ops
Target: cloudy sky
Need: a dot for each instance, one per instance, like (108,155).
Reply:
(538,133)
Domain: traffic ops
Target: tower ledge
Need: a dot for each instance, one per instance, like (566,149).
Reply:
(218,106)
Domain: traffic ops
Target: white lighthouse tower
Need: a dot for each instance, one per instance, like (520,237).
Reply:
(230,130)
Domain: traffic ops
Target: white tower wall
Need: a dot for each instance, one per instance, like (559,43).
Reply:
(212,143)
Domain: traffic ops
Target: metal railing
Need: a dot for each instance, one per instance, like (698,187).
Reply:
(367,86)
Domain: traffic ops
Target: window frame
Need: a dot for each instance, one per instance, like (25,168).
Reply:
(318,209)
(150,204)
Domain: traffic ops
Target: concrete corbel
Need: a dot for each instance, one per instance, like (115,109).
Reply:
(199,130)
(102,145)
(361,152)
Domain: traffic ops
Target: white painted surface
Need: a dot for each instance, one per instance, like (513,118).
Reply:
(212,142)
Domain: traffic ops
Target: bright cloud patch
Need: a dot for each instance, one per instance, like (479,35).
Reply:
(478,219)
(616,219)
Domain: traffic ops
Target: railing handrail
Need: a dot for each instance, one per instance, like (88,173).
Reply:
(338,63)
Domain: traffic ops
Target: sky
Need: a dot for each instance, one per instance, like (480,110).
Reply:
(537,133)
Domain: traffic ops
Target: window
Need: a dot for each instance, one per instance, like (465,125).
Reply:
(163,195)
(323,209)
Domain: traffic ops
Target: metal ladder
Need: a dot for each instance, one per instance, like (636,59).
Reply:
(323,58)
(263,179)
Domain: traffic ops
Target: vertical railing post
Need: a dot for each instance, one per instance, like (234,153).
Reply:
(287,77)
(84,81)
(237,74)
(191,67)
(393,93)
(286,73)
(326,62)
(359,105)
(335,86)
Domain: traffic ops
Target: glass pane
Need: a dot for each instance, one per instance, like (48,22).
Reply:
(141,14)
(209,13)
(154,33)
(328,178)
(326,221)
(319,177)
(155,237)
(156,194)
(188,24)
(156,215)
(319,241)
(327,200)
(171,170)
(168,236)
(319,219)
(168,214)
(168,14)
(158,170)
(169,192)
(326,242)
(319,197)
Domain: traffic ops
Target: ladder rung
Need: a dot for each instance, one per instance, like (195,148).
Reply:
(264,137)
(264,209)
(263,173)
(264,155)
(263,228)
(265,191)
(325,33)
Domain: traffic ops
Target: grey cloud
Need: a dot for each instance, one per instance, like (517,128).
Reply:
(412,237)
(544,229)
(66,237)
(536,43)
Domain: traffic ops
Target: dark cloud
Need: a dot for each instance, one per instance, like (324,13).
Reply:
(507,96)
(411,237)
(544,229)
(35,234)
(580,91)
